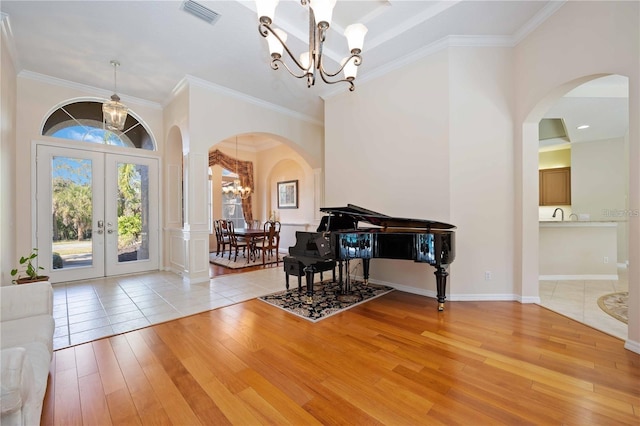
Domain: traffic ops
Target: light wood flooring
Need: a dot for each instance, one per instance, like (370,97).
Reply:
(394,360)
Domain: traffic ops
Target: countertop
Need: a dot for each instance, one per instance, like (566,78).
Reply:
(576,224)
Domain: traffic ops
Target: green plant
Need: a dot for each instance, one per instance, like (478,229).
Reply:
(29,266)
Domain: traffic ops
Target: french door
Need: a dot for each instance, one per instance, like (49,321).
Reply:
(97,213)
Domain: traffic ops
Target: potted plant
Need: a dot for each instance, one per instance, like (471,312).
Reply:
(30,268)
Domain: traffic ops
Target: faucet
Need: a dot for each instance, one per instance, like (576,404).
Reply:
(556,211)
(573,214)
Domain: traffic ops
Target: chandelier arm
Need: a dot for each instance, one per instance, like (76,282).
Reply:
(275,66)
(349,81)
(357,61)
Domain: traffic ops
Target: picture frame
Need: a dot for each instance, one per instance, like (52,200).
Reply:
(288,194)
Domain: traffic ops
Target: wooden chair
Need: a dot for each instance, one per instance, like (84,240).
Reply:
(221,239)
(271,241)
(236,242)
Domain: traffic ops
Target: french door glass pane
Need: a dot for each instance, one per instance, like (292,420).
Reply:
(133,212)
(72,205)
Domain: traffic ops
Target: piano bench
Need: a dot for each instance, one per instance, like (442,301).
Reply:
(292,266)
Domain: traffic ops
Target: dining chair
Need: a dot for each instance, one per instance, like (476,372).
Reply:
(271,241)
(224,234)
(220,238)
(236,242)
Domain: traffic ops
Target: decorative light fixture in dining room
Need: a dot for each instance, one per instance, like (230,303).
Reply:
(237,189)
(113,111)
(312,62)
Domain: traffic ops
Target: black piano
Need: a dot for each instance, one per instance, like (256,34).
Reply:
(338,238)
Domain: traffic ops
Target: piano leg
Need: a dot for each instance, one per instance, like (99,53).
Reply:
(365,270)
(309,271)
(441,283)
(341,283)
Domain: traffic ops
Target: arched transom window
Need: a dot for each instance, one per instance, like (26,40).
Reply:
(82,121)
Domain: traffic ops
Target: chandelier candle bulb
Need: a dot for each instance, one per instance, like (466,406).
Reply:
(355,37)
(307,64)
(276,47)
(266,10)
(323,10)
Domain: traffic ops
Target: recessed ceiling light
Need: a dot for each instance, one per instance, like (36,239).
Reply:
(582,127)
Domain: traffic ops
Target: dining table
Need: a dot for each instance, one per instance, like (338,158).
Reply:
(253,236)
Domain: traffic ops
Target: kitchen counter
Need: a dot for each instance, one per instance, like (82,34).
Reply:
(578,250)
(578,224)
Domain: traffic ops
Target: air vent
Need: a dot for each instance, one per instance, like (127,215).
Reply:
(199,11)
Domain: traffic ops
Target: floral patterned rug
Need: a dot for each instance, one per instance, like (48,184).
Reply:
(616,305)
(242,262)
(326,300)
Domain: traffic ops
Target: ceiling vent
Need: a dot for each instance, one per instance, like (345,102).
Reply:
(199,11)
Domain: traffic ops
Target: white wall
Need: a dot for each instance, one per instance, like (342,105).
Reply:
(386,149)
(481,170)
(599,182)
(580,42)
(8,97)
(598,178)
(433,141)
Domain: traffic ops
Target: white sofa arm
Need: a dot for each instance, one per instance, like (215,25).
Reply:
(26,300)
(17,384)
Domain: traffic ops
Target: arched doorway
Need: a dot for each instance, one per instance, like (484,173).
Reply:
(568,283)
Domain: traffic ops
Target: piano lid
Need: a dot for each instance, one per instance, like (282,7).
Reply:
(361,214)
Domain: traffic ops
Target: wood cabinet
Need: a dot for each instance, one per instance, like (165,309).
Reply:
(555,186)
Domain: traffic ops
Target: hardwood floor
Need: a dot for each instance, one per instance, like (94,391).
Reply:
(393,360)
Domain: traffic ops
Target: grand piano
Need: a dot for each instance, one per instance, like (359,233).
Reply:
(339,238)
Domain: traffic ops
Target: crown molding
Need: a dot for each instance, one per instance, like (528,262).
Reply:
(7,35)
(533,23)
(458,41)
(106,94)
(207,85)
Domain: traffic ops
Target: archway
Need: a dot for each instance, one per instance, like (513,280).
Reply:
(532,254)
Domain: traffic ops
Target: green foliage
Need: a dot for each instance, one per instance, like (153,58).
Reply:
(130,225)
(29,266)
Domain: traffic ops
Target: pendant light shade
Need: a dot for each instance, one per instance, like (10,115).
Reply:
(114,112)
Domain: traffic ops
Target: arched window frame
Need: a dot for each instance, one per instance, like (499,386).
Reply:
(89,123)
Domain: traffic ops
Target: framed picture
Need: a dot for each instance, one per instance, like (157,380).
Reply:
(288,194)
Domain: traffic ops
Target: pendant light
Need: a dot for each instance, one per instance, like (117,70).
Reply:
(114,112)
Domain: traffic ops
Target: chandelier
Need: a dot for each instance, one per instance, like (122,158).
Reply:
(237,189)
(113,111)
(311,63)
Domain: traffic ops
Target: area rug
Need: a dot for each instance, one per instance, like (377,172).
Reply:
(223,260)
(325,301)
(616,305)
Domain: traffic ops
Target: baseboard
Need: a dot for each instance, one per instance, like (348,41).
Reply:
(459,297)
(578,277)
(632,346)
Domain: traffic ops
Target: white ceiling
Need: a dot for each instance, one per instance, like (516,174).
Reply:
(602,104)
(158,44)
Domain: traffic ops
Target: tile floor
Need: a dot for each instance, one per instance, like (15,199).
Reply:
(88,310)
(579,300)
